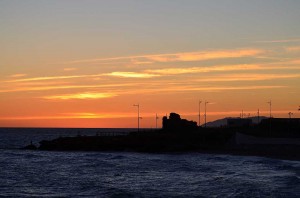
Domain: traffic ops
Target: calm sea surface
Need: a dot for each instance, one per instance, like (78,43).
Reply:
(115,174)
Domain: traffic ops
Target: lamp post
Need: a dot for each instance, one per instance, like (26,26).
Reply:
(156,118)
(290,121)
(258,116)
(270,103)
(199,115)
(206,102)
(138,107)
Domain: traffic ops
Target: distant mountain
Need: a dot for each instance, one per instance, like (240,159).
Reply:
(223,122)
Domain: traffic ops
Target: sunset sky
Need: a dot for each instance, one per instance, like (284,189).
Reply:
(75,63)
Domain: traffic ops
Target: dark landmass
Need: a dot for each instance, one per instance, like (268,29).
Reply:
(180,135)
(223,122)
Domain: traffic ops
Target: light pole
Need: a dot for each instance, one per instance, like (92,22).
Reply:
(258,116)
(138,107)
(156,118)
(270,103)
(290,123)
(199,113)
(206,102)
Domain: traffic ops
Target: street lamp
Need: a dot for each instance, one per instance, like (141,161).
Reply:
(270,103)
(206,102)
(199,113)
(138,107)
(156,118)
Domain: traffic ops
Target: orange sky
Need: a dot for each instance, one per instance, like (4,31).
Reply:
(85,71)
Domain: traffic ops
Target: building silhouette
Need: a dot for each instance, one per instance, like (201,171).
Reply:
(175,123)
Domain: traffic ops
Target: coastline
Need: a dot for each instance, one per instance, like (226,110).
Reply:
(166,142)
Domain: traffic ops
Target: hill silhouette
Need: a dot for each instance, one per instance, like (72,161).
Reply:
(223,121)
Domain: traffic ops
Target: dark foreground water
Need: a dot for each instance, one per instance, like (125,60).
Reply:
(114,174)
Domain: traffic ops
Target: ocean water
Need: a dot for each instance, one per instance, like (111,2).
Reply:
(128,174)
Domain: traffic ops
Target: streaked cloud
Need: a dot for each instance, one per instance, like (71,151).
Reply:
(112,115)
(280,41)
(247,77)
(179,57)
(208,55)
(75,115)
(17,75)
(85,95)
(115,74)
(174,71)
(58,117)
(98,115)
(293,49)
(194,88)
(131,75)
(223,88)
(295,61)
(46,88)
(70,69)
(52,78)
(137,62)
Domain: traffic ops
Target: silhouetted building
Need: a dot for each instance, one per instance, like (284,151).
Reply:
(282,124)
(239,122)
(175,123)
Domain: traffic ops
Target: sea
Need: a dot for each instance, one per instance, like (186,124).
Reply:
(26,173)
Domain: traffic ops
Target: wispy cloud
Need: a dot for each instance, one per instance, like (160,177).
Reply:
(17,75)
(178,57)
(131,75)
(174,71)
(98,115)
(85,95)
(45,88)
(280,41)
(52,78)
(137,62)
(115,74)
(295,61)
(112,115)
(70,69)
(200,56)
(293,49)
(193,88)
(247,77)
(75,115)
(122,88)
(221,88)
